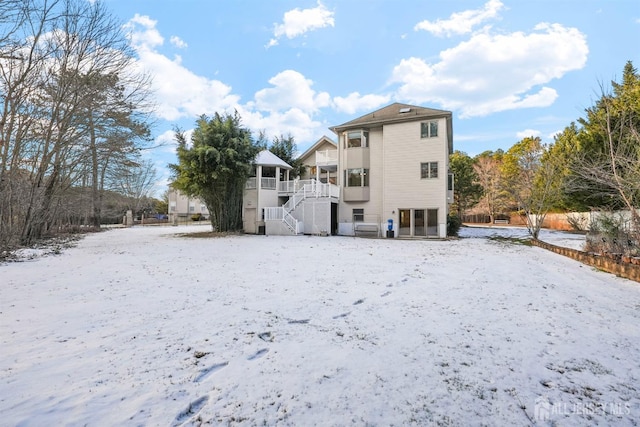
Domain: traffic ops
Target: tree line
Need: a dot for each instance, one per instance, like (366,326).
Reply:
(593,164)
(74,117)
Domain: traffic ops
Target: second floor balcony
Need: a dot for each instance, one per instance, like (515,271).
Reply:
(326,157)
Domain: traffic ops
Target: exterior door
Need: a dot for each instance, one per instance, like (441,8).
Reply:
(404,224)
(419,228)
(432,222)
(250,221)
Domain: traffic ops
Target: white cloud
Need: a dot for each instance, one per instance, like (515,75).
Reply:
(461,22)
(178,42)
(178,91)
(286,107)
(143,33)
(290,90)
(528,133)
(298,123)
(297,22)
(355,102)
(491,73)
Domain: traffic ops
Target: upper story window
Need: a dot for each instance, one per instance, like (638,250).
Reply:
(429,129)
(356,177)
(429,170)
(357,139)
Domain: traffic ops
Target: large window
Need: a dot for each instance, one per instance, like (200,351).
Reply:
(356,177)
(429,170)
(357,139)
(429,129)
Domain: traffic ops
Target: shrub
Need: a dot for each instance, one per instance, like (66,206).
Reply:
(453,225)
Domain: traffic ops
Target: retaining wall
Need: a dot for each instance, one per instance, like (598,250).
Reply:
(619,268)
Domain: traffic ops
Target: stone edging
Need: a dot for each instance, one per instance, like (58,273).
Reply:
(622,269)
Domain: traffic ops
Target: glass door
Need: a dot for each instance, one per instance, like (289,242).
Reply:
(419,228)
(404,225)
(432,222)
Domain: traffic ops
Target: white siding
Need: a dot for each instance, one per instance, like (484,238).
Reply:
(395,154)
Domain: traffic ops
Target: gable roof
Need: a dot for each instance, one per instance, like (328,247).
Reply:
(267,158)
(393,113)
(316,145)
(398,113)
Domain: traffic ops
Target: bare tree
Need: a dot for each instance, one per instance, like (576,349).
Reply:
(615,171)
(136,182)
(487,168)
(71,107)
(532,179)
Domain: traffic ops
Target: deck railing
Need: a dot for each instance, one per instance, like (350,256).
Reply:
(327,157)
(251,183)
(304,189)
(268,183)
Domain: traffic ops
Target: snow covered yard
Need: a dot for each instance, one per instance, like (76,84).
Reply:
(145,327)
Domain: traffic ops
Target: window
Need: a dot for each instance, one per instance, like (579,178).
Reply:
(429,170)
(429,129)
(358,215)
(357,139)
(450,182)
(356,177)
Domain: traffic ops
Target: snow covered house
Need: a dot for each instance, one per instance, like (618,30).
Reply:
(394,167)
(390,168)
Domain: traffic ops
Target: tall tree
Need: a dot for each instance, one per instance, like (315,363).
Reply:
(286,149)
(487,167)
(59,69)
(466,189)
(531,177)
(216,166)
(608,163)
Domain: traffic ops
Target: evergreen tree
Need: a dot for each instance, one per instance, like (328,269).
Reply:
(466,189)
(216,166)
(286,149)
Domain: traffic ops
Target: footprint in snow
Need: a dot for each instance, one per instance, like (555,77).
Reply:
(360,301)
(208,371)
(258,354)
(192,410)
(342,315)
(299,321)
(386,294)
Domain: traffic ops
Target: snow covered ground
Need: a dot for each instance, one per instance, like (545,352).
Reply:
(144,326)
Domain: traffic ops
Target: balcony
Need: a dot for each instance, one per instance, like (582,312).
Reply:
(327,158)
(265,183)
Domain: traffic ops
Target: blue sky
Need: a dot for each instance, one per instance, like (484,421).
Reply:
(505,68)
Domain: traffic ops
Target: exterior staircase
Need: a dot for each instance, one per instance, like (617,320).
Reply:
(310,189)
